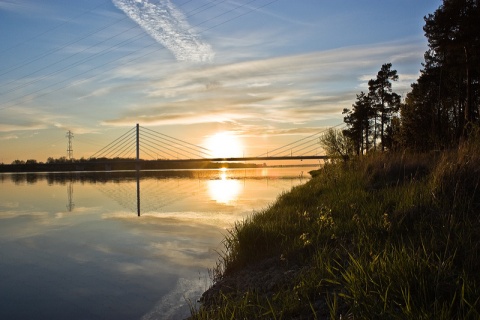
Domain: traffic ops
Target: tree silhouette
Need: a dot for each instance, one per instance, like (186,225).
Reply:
(385,102)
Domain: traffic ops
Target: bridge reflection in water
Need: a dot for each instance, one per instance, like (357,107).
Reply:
(160,191)
(174,190)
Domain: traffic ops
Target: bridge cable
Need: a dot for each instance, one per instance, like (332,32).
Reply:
(297,141)
(175,139)
(127,149)
(168,144)
(143,150)
(120,146)
(164,143)
(128,132)
(163,151)
(295,147)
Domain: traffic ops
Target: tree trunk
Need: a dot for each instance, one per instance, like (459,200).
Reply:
(468,115)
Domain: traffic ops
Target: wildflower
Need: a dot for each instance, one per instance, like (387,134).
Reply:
(386,222)
(325,219)
(305,239)
(306,215)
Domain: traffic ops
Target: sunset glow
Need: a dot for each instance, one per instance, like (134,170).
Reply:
(224,145)
(262,73)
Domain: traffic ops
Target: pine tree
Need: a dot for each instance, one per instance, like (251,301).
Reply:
(358,120)
(385,102)
(453,33)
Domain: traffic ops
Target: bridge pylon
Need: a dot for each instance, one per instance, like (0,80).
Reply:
(137,165)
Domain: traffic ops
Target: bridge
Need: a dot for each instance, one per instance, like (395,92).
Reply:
(143,141)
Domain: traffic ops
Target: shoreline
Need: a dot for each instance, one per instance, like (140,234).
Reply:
(356,234)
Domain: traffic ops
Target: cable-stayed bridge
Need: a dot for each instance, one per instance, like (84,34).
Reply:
(140,143)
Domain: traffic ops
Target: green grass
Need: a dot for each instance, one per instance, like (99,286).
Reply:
(387,236)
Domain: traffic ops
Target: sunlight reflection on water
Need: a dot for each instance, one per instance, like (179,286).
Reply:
(73,246)
(224,190)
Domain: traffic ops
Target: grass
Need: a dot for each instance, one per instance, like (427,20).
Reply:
(387,236)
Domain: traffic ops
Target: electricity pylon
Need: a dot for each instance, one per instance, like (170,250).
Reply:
(69,135)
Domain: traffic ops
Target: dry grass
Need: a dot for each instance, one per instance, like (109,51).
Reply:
(388,236)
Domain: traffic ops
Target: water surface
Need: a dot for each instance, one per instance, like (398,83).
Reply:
(120,246)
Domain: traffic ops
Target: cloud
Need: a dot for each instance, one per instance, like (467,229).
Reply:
(167,25)
(21,127)
(76,128)
(289,89)
(96,93)
(35,119)
(186,290)
(9,137)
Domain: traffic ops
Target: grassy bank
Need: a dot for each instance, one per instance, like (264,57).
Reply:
(392,236)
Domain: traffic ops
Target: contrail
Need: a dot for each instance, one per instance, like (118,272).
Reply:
(167,25)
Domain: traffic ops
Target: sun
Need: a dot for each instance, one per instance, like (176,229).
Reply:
(224,145)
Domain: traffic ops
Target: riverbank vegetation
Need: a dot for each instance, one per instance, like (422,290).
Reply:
(394,236)
(391,229)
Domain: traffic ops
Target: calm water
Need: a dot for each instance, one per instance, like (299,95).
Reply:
(81,246)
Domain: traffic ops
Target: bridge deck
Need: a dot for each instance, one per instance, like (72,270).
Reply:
(258,158)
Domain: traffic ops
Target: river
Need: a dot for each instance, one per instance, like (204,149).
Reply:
(120,246)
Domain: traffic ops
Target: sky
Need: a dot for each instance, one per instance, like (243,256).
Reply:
(264,73)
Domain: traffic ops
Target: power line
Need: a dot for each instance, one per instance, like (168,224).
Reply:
(137,37)
(181,5)
(78,63)
(226,12)
(194,12)
(23,64)
(36,59)
(240,15)
(54,28)
(74,76)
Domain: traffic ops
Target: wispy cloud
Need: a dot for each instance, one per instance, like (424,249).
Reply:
(9,137)
(31,119)
(289,89)
(167,25)
(21,127)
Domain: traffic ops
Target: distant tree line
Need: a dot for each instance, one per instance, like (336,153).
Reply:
(63,160)
(442,107)
(113,164)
